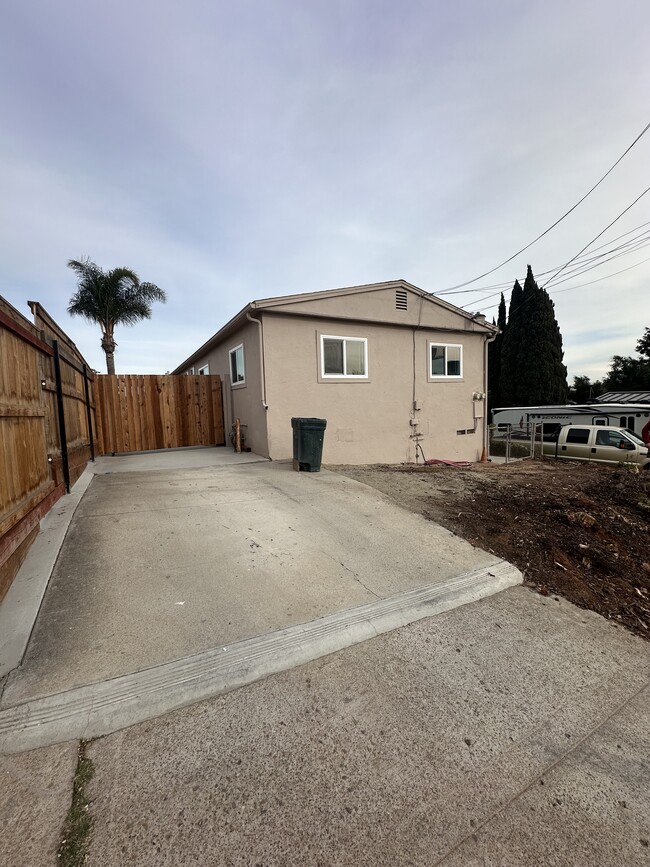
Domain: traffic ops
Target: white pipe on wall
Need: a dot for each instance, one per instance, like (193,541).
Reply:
(262,370)
(486,441)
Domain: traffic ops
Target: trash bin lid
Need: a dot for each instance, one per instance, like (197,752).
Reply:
(317,423)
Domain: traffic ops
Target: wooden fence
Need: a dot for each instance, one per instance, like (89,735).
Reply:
(141,413)
(46,426)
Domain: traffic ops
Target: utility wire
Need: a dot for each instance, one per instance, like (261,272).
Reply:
(618,237)
(587,264)
(615,220)
(557,222)
(508,283)
(576,272)
(590,283)
(607,276)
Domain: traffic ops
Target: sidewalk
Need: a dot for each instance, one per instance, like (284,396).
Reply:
(510,731)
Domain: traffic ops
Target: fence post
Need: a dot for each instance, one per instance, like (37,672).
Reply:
(61,413)
(533,436)
(89,415)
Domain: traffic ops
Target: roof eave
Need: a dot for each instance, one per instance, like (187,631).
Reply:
(236,322)
(283,300)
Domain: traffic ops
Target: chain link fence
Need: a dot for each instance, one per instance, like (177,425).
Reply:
(510,442)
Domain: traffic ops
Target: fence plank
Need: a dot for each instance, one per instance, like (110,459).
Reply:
(157,428)
(217,405)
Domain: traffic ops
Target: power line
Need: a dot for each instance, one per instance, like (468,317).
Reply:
(576,272)
(557,222)
(582,285)
(615,220)
(618,237)
(508,283)
(587,264)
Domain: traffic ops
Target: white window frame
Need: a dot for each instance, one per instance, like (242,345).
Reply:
(190,372)
(204,371)
(232,352)
(445,375)
(357,376)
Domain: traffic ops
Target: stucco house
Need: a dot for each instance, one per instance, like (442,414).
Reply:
(388,365)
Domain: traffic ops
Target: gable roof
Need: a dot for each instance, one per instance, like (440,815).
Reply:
(283,300)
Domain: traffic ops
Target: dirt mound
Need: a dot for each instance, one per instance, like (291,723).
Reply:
(574,529)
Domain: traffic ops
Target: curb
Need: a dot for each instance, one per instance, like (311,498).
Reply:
(102,708)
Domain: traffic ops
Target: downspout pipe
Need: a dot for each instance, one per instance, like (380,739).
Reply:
(415,425)
(486,442)
(262,368)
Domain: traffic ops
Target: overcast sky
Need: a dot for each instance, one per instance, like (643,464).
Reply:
(234,151)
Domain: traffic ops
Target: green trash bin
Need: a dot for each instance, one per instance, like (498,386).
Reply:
(308,435)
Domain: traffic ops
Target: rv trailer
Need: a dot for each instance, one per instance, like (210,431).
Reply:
(519,420)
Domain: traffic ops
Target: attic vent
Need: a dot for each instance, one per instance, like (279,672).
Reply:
(401,299)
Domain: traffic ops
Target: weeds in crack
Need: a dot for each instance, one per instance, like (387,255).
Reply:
(79,821)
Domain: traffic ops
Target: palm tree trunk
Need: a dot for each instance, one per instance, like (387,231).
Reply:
(108,345)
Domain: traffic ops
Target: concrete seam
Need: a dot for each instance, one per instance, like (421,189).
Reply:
(205,505)
(539,775)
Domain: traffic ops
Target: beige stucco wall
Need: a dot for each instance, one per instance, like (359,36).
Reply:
(243,401)
(368,421)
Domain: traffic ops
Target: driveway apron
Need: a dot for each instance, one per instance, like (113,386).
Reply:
(164,563)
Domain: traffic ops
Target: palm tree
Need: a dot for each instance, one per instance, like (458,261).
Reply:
(111,298)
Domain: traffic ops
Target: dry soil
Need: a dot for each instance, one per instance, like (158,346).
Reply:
(575,529)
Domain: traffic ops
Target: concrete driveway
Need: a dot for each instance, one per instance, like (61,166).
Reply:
(170,555)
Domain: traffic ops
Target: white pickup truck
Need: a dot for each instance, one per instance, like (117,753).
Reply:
(609,445)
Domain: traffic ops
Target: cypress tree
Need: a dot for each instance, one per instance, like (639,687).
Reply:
(510,347)
(532,372)
(541,375)
(501,321)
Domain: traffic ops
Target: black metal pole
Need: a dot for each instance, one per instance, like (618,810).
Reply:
(89,415)
(59,404)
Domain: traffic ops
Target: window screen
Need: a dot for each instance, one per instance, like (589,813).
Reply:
(333,357)
(237,372)
(344,356)
(446,360)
